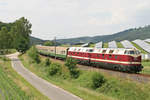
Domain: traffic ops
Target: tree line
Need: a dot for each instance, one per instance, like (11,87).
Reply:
(15,35)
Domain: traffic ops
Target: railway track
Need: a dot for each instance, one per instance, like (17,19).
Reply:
(142,78)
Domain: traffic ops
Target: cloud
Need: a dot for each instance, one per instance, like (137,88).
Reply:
(74,18)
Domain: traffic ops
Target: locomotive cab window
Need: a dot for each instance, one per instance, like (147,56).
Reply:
(132,52)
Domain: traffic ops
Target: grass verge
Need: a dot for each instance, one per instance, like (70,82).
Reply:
(14,87)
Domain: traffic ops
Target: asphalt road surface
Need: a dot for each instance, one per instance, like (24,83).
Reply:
(51,91)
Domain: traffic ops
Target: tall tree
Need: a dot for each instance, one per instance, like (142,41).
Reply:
(5,39)
(21,32)
(49,43)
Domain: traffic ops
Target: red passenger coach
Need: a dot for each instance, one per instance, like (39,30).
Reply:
(127,60)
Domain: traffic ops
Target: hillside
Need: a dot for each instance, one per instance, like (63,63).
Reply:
(130,34)
(34,40)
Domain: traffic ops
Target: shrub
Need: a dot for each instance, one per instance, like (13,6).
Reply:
(75,73)
(33,54)
(97,80)
(71,64)
(47,62)
(55,69)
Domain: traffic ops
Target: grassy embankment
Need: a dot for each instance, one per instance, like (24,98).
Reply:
(13,86)
(105,45)
(112,89)
(119,45)
(92,45)
(75,45)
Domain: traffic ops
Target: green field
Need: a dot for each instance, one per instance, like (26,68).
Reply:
(139,48)
(14,87)
(148,42)
(146,69)
(113,89)
(7,51)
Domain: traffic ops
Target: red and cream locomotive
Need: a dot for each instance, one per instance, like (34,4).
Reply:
(126,60)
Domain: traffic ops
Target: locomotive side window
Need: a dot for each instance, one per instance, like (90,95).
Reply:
(103,56)
(98,55)
(116,57)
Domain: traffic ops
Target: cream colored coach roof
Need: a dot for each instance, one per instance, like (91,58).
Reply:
(94,50)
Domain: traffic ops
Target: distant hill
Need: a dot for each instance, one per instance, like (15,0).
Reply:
(35,40)
(130,34)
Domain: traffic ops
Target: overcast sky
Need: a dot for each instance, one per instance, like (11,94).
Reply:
(75,18)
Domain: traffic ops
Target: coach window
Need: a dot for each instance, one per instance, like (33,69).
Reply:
(104,51)
(111,51)
(126,52)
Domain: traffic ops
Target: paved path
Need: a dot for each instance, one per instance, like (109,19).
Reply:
(51,91)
